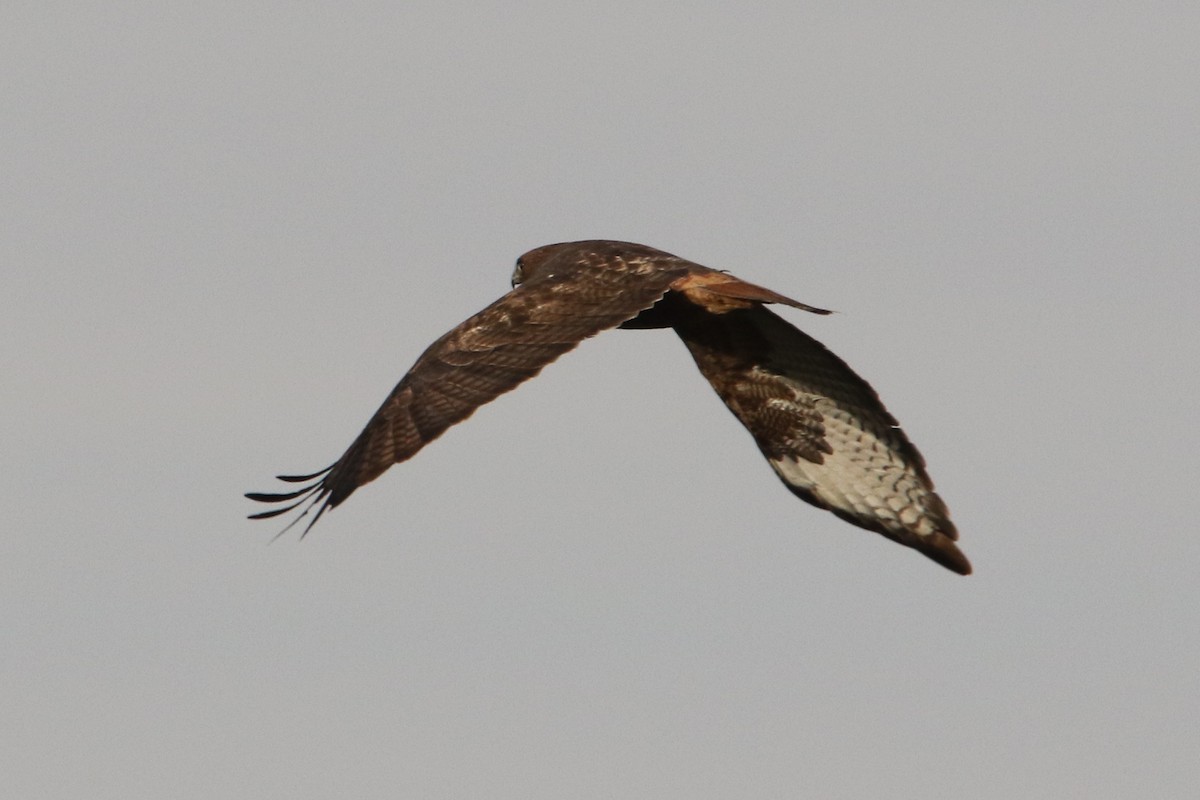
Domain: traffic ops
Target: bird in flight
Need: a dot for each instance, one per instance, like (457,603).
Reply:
(820,426)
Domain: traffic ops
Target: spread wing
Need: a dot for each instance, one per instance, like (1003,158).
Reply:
(491,353)
(822,428)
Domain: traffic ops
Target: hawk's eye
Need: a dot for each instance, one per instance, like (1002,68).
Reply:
(518,273)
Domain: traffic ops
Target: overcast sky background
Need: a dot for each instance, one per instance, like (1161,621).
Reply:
(228,229)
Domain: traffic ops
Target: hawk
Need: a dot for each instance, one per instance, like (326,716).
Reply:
(820,426)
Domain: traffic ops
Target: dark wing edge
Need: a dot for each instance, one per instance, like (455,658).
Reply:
(822,428)
(311,494)
(489,354)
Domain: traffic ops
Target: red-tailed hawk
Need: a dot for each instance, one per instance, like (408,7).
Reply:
(822,428)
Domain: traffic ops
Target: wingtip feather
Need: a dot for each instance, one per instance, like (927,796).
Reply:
(942,549)
(302,478)
(273,497)
(308,496)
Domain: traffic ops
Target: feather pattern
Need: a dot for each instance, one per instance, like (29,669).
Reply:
(821,427)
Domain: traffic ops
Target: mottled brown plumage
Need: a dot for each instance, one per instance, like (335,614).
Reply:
(822,428)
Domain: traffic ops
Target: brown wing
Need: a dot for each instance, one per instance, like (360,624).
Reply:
(578,295)
(821,427)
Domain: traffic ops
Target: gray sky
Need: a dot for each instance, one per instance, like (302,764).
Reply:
(229,229)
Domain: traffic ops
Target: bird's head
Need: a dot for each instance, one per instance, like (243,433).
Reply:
(592,253)
(535,262)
